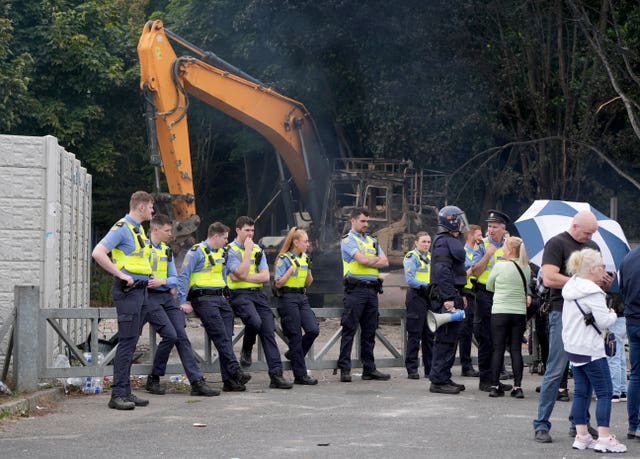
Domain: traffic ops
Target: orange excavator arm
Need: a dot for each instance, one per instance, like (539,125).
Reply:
(168,80)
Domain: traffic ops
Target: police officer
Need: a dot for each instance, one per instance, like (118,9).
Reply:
(202,288)
(472,237)
(417,273)
(361,259)
(489,253)
(248,270)
(163,314)
(129,264)
(448,273)
(292,277)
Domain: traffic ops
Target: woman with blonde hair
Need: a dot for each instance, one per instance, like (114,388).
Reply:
(584,310)
(292,277)
(508,281)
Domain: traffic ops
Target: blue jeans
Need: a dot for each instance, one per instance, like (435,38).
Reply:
(633,401)
(556,364)
(618,363)
(587,378)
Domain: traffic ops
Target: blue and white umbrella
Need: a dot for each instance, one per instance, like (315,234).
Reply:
(546,218)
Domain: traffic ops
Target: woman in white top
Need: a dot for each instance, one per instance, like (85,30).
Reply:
(584,347)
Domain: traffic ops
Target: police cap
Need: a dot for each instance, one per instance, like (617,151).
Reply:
(497,216)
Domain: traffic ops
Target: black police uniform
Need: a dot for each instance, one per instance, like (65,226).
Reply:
(449,274)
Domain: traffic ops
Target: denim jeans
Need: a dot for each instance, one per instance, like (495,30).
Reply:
(618,363)
(633,401)
(587,378)
(556,364)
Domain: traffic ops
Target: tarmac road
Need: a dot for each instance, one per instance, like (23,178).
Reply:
(363,419)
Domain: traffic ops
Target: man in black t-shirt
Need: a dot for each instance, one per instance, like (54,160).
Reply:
(554,272)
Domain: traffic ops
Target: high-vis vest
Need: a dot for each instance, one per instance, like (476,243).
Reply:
(253,268)
(469,284)
(210,275)
(498,255)
(299,276)
(370,249)
(160,257)
(423,273)
(136,262)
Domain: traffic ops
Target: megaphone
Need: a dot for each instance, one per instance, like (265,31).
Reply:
(436,320)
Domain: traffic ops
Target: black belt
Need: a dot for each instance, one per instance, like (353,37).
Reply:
(203,292)
(137,284)
(482,288)
(250,289)
(352,283)
(155,290)
(292,290)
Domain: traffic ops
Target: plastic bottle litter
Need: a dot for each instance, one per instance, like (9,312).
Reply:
(92,384)
(179,379)
(62,361)
(4,389)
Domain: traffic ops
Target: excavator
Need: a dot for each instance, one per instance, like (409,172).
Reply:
(393,191)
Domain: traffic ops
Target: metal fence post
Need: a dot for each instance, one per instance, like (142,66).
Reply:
(25,338)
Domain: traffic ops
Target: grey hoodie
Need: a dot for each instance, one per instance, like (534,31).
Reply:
(581,342)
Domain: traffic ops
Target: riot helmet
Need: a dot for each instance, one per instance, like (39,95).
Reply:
(452,218)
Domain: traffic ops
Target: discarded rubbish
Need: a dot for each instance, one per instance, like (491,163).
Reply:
(199,424)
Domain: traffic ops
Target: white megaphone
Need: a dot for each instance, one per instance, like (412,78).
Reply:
(436,320)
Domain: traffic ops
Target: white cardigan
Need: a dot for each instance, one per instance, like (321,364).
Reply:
(581,342)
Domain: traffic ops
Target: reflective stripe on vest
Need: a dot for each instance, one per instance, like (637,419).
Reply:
(136,262)
(498,255)
(469,284)
(210,275)
(253,269)
(160,261)
(299,276)
(423,273)
(368,248)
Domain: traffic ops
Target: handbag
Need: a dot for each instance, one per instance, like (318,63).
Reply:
(609,337)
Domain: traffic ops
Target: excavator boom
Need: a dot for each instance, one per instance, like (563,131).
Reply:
(167,81)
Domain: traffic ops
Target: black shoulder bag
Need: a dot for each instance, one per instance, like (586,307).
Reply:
(609,338)
(524,282)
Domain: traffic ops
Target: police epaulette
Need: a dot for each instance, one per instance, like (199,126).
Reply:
(345,236)
(195,247)
(119,224)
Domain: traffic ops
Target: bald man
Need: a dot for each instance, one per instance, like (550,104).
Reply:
(554,273)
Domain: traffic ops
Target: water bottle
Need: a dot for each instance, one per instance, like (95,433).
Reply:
(92,384)
(176,378)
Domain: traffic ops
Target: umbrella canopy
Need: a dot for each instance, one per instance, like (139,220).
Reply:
(546,218)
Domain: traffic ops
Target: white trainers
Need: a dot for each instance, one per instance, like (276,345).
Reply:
(609,445)
(584,442)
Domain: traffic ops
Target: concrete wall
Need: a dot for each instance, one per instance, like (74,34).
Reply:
(45,195)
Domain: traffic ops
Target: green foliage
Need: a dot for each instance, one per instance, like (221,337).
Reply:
(442,83)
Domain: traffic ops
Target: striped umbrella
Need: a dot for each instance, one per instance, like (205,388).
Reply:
(546,218)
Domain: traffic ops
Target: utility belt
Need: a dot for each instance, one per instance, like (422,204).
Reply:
(292,290)
(350,283)
(155,290)
(136,285)
(250,289)
(482,288)
(429,292)
(197,293)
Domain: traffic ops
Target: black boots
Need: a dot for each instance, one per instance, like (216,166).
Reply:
(245,358)
(368,375)
(153,385)
(119,402)
(278,382)
(199,387)
(305,380)
(237,382)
